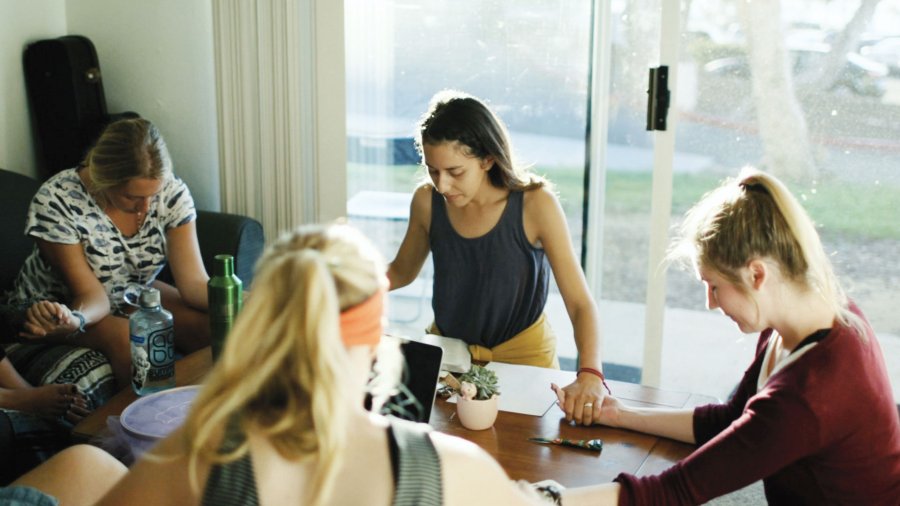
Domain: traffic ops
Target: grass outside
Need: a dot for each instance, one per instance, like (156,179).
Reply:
(852,210)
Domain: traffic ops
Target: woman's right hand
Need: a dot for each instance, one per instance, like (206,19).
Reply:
(609,412)
(48,319)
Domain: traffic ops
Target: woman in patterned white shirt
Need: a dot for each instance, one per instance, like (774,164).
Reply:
(103,229)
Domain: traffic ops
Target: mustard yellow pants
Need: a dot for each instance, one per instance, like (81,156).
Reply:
(534,346)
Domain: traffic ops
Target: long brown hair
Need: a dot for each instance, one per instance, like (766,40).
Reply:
(454,116)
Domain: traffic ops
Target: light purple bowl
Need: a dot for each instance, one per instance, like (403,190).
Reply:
(157,415)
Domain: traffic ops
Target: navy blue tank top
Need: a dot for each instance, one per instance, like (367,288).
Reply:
(489,288)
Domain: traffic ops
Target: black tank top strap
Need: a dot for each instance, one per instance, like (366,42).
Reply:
(415,464)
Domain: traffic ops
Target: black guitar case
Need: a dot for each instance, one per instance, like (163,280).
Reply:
(68,105)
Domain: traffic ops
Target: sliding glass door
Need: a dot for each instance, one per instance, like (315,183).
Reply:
(811,92)
(828,126)
(528,59)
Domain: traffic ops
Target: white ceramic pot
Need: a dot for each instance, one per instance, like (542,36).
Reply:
(475,414)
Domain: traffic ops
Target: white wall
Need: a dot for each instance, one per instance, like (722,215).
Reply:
(23,22)
(156,58)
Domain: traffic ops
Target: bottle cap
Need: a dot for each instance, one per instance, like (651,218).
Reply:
(149,298)
(224,265)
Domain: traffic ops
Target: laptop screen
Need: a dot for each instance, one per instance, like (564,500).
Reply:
(419,382)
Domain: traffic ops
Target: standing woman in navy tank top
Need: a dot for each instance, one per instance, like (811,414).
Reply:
(495,232)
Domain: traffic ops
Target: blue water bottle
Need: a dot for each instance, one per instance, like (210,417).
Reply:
(152,345)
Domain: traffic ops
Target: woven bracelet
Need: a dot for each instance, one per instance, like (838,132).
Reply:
(595,372)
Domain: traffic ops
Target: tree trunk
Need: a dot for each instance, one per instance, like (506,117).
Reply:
(641,28)
(846,42)
(782,126)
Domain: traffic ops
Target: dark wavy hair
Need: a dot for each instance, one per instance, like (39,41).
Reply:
(454,116)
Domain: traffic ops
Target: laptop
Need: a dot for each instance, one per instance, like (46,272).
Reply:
(419,383)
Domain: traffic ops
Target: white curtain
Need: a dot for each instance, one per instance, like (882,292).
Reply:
(280,101)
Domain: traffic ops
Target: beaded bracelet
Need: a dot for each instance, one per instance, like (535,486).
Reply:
(597,373)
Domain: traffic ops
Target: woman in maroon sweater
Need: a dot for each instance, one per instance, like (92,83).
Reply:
(813,416)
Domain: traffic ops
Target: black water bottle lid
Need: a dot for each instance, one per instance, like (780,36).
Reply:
(224,265)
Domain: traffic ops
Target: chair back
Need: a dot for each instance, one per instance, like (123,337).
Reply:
(16,191)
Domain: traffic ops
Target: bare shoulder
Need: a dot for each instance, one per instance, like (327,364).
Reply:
(543,216)
(160,476)
(540,204)
(420,208)
(472,476)
(422,195)
(465,460)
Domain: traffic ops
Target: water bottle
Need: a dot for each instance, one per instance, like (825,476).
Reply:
(152,345)
(225,292)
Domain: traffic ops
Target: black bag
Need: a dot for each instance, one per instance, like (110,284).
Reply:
(68,105)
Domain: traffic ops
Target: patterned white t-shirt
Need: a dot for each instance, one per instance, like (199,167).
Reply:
(64,212)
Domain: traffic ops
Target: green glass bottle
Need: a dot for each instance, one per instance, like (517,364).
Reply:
(225,292)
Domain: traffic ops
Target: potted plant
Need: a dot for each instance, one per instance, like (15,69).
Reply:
(476,402)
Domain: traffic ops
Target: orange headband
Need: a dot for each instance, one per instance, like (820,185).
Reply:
(361,324)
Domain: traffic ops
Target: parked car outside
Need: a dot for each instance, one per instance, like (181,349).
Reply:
(860,75)
(886,51)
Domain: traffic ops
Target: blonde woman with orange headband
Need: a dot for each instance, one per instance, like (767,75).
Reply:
(281,419)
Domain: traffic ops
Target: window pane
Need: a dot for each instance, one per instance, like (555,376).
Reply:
(629,172)
(527,59)
(844,85)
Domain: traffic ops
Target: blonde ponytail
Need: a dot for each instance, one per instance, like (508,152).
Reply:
(755,216)
(282,373)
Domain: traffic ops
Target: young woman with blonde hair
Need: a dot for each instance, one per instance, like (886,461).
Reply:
(814,416)
(114,221)
(280,420)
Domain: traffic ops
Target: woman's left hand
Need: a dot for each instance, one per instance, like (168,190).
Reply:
(48,319)
(582,399)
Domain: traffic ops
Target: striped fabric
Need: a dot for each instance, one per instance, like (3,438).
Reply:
(418,480)
(26,439)
(42,363)
(232,484)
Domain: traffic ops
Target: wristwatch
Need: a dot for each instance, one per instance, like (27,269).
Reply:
(81,322)
(551,492)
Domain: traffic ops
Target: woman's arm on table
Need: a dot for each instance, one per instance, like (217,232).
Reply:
(677,424)
(545,225)
(471,476)
(593,495)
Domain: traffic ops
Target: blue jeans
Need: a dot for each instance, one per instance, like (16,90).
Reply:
(25,496)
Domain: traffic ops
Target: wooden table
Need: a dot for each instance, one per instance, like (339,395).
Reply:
(623,450)
(507,441)
(190,370)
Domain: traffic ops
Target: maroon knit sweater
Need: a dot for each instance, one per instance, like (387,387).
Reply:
(823,430)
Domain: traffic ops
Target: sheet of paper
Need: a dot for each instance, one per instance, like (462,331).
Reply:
(525,389)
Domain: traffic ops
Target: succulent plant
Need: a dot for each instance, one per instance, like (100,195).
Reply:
(484,380)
